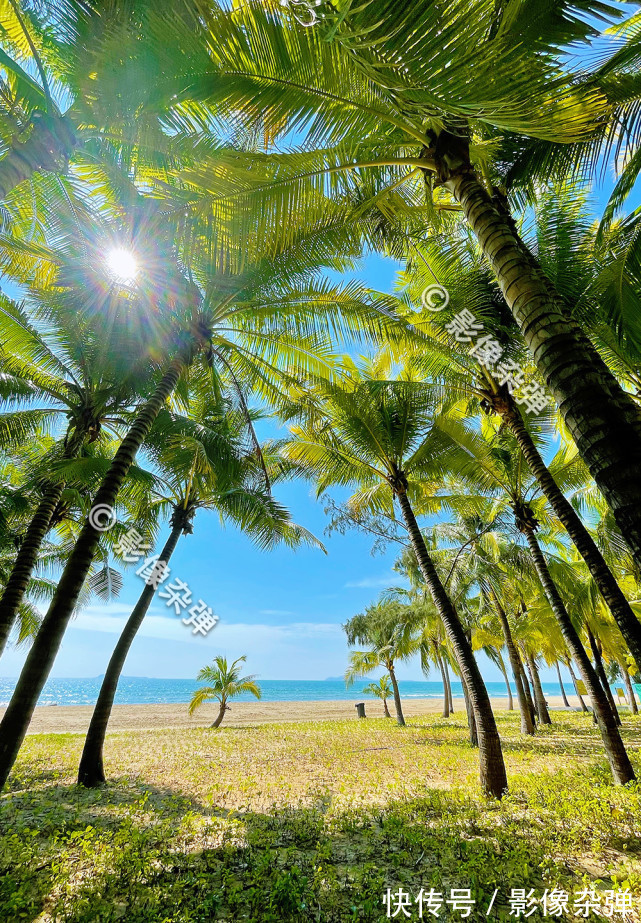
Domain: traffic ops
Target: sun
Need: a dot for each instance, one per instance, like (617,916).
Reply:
(122,264)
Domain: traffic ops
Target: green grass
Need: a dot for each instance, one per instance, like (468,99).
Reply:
(310,822)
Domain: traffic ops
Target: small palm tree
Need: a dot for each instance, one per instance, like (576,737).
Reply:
(382,690)
(226,683)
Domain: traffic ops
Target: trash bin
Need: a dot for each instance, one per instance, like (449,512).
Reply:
(360,710)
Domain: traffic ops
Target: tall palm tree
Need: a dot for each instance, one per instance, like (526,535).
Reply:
(226,683)
(200,472)
(415,116)
(375,433)
(432,642)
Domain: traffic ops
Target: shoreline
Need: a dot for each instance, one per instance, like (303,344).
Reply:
(74,719)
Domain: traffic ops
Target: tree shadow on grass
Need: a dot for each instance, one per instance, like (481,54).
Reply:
(147,854)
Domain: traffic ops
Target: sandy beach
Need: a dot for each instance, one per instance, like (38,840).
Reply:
(74,719)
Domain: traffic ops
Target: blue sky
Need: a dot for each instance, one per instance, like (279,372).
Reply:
(283,609)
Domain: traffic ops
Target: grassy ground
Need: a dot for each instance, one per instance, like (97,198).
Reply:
(312,822)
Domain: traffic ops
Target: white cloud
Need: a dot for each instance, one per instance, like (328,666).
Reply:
(110,619)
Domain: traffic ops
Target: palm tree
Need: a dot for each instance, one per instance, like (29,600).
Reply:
(382,690)
(388,630)
(476,556)
(432,642)
(497,466)
(376,433)
(415,115)
(563,239)
(117,107)
(489,637)
(206,466)
(226,683)
(583,541)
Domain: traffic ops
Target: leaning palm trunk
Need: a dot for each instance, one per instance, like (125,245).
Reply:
(400,718)
(541,704)
(386,709)
(563,695)
(47,642)
(220,716)
(584,707)
(510,700)
(469,711)
(620,765)
(605,580)
(603,420)
(28,554)
(528,674)
(600,671)
(527,725)
(446,699)
(528,693)
(449,686)
(91,772)
(492,766)
(628,688)
(26,561)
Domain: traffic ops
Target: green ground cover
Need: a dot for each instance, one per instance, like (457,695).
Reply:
(313,822)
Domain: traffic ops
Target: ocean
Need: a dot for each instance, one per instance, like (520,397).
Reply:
(141,690)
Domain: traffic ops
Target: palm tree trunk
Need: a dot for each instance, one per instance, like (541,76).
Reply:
(220,716)
(448,686)
(527,724)
(605,580)
(620,765)
(600,671)
(471,721)
(47,149)
(628,688)
(584,707)
(503,668)
(603,421)
(563,695)
(47,642)
(541,704)
(528,674)
(27,556)
(492,765)
(528,693)
(450,706)
(446,701)
(386,709)
(400,719)
(26,560)
(91,772)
